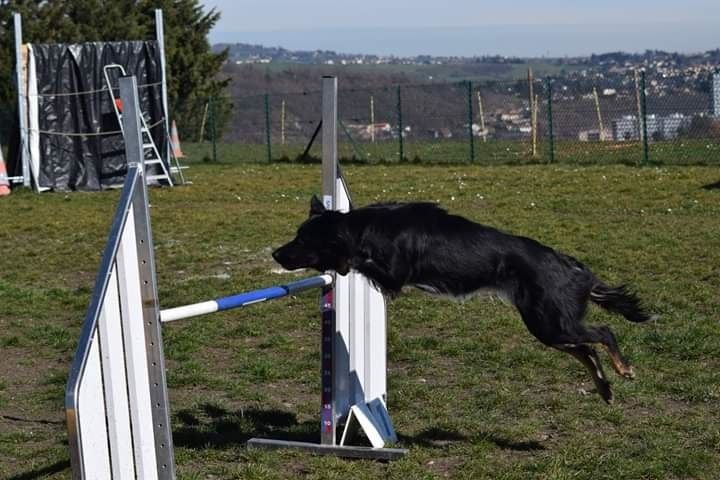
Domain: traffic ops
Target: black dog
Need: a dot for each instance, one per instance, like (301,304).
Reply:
(421,245)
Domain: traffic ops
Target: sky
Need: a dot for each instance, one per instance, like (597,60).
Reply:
(465,28)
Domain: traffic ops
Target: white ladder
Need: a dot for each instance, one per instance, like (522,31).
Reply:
(152,155)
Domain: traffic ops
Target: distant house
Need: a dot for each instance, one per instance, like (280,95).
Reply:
(372,130)
(442,132)
(594,135)
(625,128)
(674,124)
(657,127)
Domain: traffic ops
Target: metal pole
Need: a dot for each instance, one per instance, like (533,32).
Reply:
(160,36)
(329,140)
(165,463)
(470,121)
(400,124)
(22,100)
(356,150)
(531,100)
(534,120)
(282,122)
(643,104)
(312,141)
(551,137)
(329,368)
(131,122)
(372,119)
(267,127)
(639,104)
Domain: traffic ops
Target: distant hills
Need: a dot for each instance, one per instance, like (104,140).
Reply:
(243,53)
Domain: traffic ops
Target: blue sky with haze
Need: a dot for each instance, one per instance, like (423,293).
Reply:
(462,27)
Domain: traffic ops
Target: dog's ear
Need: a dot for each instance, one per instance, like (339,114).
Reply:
(316,206)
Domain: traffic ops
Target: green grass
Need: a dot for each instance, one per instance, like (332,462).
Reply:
(492,152)
(471,393)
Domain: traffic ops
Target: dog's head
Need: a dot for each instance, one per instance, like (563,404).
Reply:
(321,243)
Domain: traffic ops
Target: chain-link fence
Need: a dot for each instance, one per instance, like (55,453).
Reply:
(627,119)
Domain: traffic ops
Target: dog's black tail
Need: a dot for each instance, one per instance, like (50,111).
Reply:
(619,300)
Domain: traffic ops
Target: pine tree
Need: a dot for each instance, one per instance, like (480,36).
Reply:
(192,68)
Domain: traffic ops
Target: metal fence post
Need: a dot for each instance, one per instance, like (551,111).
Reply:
(643,110)
(470,121)
(400,124)
(551,134)
(267,127)
(22,101)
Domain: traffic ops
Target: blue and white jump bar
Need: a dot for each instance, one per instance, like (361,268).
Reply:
(244,299)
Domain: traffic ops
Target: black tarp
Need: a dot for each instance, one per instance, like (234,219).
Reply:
(78,150)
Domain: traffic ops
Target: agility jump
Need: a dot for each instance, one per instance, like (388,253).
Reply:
(116,400)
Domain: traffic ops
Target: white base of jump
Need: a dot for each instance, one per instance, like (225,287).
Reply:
(374,420)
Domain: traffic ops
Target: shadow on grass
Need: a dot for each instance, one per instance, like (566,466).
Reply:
(435,437)
(43,472)
(31,420)
(432,437)
(209,426)
(712,186)
(507,444)
(214,427)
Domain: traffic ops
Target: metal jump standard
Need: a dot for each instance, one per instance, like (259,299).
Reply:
(117,407)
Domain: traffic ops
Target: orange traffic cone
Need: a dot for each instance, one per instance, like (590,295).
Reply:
(4,182)
(175,141)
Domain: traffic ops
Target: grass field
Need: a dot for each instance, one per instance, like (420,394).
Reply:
(494,152)
(471,393)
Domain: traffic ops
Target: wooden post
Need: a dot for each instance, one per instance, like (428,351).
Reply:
(601,127)
(202,122)
(481,112)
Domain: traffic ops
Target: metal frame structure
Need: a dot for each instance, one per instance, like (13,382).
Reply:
(22,104)
(116,397)
(22,96)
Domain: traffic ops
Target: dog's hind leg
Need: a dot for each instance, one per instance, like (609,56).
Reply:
(604,336)
(589,358)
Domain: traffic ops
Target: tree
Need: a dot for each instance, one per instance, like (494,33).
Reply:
(192,68)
